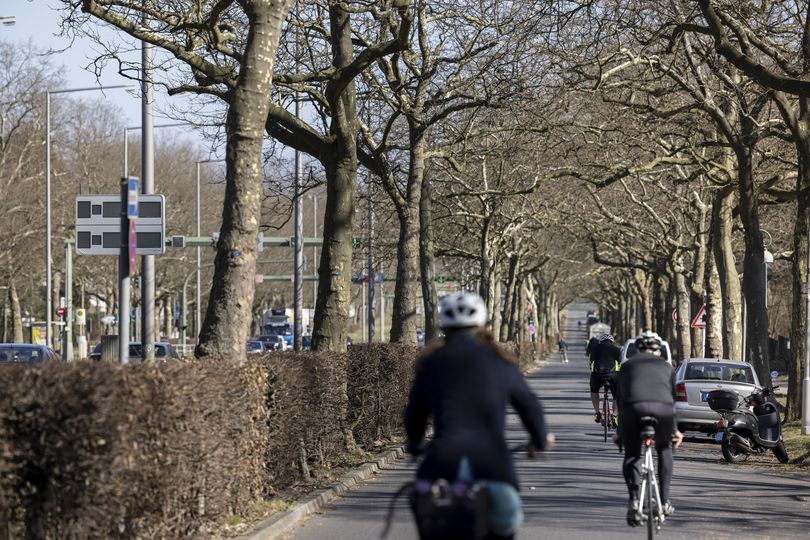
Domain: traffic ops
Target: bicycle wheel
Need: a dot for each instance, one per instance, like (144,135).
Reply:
(605,413)
(650,509)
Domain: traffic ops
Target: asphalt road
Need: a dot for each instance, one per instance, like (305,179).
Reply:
(577,491)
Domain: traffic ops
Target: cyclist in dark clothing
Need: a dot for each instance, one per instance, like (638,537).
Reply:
(465,385)
(647,388)
(604,364)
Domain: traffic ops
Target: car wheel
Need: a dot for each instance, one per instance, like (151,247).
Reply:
(781,452)
(731,453)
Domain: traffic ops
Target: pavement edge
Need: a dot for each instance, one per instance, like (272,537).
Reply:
(281,523)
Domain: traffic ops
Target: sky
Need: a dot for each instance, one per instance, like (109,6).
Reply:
(38,21)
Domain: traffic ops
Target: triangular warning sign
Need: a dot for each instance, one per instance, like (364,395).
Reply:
(700,319)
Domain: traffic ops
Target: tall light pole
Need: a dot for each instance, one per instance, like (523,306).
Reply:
(48,228)
(147,188)
(138,128)
(806,380)
(197,291)
(8,20)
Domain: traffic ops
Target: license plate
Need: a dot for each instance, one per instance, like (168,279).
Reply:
(704,396)
(718,437)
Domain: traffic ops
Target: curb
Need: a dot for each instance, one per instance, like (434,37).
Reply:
(275,526)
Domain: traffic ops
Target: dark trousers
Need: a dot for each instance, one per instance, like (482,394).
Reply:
(630,426)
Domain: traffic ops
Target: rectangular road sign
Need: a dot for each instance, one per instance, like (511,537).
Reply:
(132,198)
(98,225)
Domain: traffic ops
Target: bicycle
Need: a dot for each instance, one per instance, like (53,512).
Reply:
(650,507)
(607,409)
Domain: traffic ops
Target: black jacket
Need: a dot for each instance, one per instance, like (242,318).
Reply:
(605,358)
(646,377)
(466,387)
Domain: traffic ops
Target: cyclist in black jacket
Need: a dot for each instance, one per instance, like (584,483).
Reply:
(465,385)
(604,363)
(647,388)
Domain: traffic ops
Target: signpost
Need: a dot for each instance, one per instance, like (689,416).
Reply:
(98,225)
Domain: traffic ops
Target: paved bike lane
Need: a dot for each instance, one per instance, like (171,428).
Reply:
(577,491)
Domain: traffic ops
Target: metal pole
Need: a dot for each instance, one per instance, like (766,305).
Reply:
(48,277)
(123,279)
(806,380)
(148,181)
(370,272)
(197,289)
(314,250)
(298,283)
(126,152)
(382,312)
(67,346)
(745,328)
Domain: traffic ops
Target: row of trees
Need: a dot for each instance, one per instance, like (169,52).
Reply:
(540,151)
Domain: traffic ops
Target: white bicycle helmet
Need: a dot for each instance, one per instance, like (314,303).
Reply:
(605,337)
(649,341)
(462,310)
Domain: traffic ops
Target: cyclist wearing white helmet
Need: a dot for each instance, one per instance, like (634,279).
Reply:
(647,388)
(604,364)
(465,383)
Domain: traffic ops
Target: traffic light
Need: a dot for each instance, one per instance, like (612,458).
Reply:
(355,242)
(441,279)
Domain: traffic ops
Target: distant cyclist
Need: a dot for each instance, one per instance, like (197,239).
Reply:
(464,384)
(647,388)
(563,349)
(604,364)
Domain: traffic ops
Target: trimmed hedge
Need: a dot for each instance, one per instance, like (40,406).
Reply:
(93,450)
(106,451)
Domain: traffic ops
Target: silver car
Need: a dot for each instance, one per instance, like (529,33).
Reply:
(696,377)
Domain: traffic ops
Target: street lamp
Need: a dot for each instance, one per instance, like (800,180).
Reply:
(197,291)
(48,257)
(8,20)
(138,128)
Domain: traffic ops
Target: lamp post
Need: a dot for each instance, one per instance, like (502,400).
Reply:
(138,128)
(806,380)
(8,20)
(197,292)
(48,231)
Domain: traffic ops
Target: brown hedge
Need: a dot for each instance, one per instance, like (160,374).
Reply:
(379,378)
(105,451)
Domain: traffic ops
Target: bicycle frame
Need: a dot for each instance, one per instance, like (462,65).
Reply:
(649,491)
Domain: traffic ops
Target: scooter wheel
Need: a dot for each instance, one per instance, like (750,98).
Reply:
(781,452)
(731,453)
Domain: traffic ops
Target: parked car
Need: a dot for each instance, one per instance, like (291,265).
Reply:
(274,342)
(629,350)
(26,354)
(255,346)
(163,351)
(696,377)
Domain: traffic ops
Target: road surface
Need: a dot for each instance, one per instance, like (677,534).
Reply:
(578,492)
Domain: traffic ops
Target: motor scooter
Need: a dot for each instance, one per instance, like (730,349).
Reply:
(750,425)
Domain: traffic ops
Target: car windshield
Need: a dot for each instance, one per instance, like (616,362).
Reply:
(713,371)
(631,351)
(22,356)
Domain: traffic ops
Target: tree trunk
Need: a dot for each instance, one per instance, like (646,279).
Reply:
(684,346)
(714,306)
(754,289)
(799,277)
(15,312)
(228,316)
(334,273)
(403,322)
(696,287)
(430,298)
(508,310)
(660,306)
(722,250)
